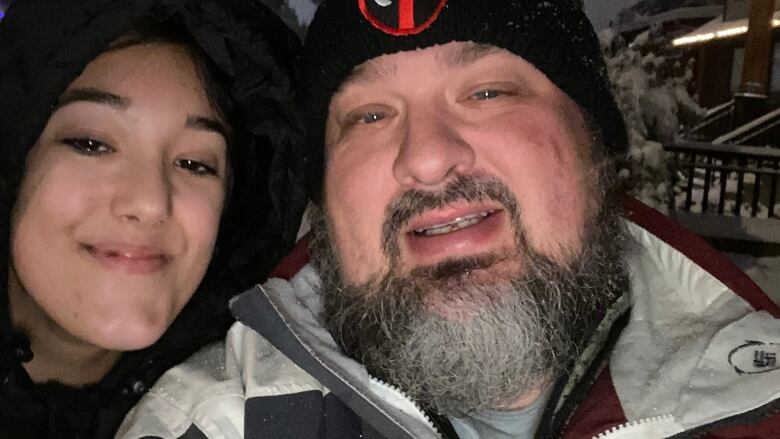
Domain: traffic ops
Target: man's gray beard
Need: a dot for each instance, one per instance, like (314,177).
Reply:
(519,331)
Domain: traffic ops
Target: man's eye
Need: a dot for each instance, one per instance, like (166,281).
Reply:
(87,146)
(364,118)
(368,114)
(372,117)
(196,167)
(484,95)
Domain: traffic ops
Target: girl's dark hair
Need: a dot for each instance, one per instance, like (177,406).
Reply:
(214,80)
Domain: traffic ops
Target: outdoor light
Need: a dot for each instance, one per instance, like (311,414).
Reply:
(738,30)
(693,39)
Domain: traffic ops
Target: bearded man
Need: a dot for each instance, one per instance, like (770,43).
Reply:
(474,271)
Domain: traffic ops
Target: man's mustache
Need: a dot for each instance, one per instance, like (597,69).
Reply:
(414,202)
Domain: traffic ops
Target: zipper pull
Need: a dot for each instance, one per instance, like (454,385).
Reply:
(657,427)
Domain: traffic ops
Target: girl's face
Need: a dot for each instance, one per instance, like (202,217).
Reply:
(120,204)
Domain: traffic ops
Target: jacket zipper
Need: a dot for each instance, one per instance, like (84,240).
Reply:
(409,404)
(758,414)
(416,409)
(665,426)
(650,428)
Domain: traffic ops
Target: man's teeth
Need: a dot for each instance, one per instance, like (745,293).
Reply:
(454,225)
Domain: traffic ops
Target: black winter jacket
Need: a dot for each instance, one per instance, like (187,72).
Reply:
(44,45)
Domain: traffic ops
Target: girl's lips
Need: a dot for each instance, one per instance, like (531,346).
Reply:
(132,259)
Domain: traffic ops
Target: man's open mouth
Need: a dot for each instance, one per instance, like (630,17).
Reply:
(454,225)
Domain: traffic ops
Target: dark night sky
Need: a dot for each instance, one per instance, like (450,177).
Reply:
(602,11)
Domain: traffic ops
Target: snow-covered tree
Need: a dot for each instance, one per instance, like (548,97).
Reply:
(649,80)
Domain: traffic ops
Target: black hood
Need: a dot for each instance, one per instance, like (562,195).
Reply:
(46,44)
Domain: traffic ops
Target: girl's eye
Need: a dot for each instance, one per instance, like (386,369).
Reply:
(87,146)
(196,167)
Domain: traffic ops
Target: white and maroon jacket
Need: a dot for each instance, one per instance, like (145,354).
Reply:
(691,351)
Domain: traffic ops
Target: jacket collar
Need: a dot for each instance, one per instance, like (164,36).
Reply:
(682,319)
(685,349)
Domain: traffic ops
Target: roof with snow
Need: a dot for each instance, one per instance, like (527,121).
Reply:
(717,29)
(687,13)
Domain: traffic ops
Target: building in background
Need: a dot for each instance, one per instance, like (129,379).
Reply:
(737,72)
(673,23)
(720,50)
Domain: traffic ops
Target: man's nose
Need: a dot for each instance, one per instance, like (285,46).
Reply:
(143,195)
(432,151)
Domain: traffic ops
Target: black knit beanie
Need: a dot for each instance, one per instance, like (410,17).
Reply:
(553,35)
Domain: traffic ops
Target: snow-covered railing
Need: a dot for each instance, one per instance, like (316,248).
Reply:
(715,122)
(751,130)
(719,109)
(718,178)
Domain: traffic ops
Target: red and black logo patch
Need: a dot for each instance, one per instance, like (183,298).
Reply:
(401,17)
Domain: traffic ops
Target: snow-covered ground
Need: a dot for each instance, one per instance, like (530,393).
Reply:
(765,271)
(713,195)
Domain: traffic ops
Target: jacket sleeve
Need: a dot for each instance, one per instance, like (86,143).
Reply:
(207,395)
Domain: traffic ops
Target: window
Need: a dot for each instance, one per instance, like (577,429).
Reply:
(736,68)
(774,83)
(735,9)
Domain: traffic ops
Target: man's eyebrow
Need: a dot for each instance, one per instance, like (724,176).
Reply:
(207,124)
(368,71)
(466,54)
(92,95)
(463,55)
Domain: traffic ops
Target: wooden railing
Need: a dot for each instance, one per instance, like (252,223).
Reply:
(715,122)
(760,131)
(717,165)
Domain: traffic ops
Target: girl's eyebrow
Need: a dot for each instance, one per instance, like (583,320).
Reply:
(93,95)
(97,96)
(203,123)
